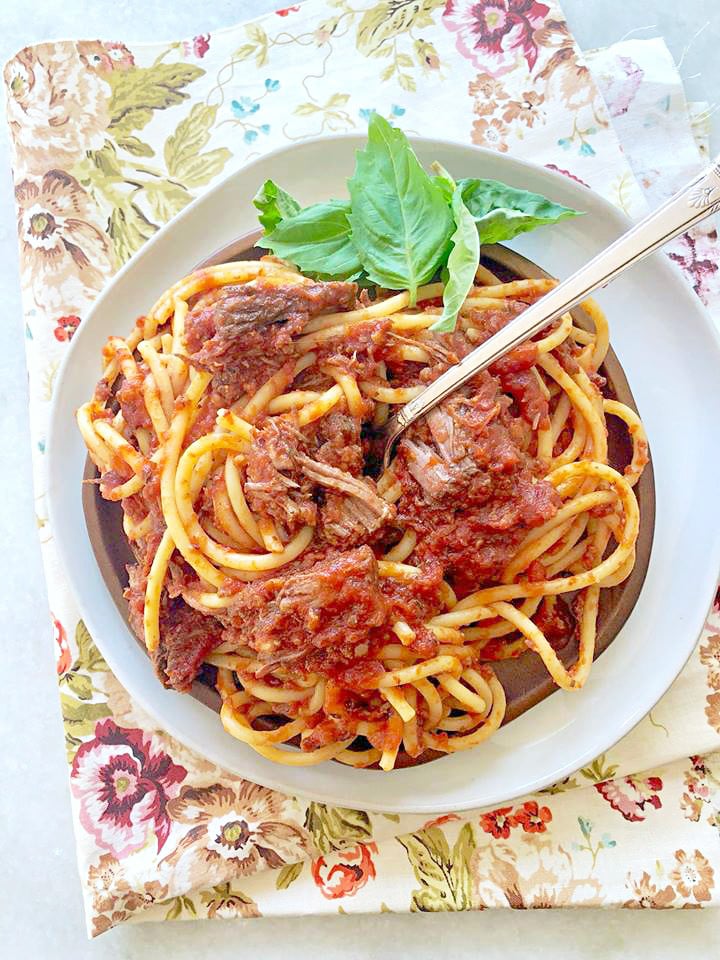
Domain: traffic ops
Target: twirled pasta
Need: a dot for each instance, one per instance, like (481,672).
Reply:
(177,459)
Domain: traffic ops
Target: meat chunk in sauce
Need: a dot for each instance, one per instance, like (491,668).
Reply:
(338,443)
(352,510)
(275,487)
(471,486)
(325,610)
(283,484)
(461,437)
(187,636)
(242,333)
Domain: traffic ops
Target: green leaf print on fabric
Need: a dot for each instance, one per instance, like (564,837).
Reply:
(569,783)
(334,118)
(105,162)
(333,828)
(288,875)
(136,146)
(178,906)
(138,92)
(89,657)
(79,720)
(139,197)
(183,157)
(444,875)
(391,18)
(223,901)
(166,198)
(386,24)
(257,45)
(76,692)
(599,770)
(129,228)
(80,685)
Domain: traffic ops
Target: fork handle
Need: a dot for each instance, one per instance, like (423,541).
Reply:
(698,200)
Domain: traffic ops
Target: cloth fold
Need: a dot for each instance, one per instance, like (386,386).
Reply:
(110,141)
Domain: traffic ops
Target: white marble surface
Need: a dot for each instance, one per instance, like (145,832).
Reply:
(40,904)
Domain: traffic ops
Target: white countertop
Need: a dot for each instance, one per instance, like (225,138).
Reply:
(40,902)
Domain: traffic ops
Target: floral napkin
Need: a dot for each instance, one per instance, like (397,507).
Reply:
(110,141)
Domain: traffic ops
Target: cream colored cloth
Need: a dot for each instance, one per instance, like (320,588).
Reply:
(110,141)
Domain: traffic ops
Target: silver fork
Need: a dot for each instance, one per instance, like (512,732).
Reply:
(698,200)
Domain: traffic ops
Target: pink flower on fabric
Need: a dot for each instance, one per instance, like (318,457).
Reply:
(123,785)
(695,255)
(620,86)
(198,46)
(495,34)
(631,795)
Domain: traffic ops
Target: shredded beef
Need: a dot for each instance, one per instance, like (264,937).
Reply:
(132,403)
(338,442)
(243,333)
(275,487)
(352,509)
(186,638)
(359,349)
(470,486)
(327,609)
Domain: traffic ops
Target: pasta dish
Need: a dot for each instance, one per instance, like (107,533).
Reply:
(343,612)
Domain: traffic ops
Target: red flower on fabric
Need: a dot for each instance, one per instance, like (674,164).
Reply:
(66,327)
(286,10)
(123,784)
(346,877)
(438,821)
(498,823)
(493,33)
(531,817)
(62,649)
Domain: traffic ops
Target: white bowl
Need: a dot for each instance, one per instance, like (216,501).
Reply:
(671,354)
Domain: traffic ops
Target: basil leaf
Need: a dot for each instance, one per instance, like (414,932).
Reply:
(401,222)
(274,205)
(317,240)
(443,180)
(462,264)
(502,212)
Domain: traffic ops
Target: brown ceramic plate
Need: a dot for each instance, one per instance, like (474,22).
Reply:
(525,679)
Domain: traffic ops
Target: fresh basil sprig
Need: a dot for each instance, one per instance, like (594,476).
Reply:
(400,220)
(401,227)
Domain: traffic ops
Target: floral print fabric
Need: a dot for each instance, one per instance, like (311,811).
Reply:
(110,141)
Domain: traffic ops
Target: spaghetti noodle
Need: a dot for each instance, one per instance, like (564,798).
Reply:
(357,617)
